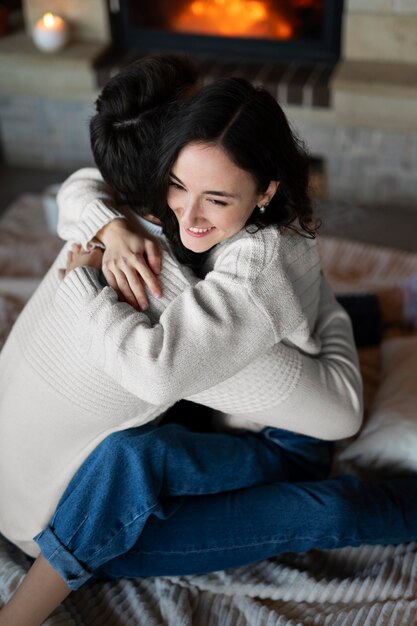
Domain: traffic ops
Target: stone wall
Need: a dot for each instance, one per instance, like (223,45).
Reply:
(43,132)
(365,165)
(368,137)
(381,30)
(46,101)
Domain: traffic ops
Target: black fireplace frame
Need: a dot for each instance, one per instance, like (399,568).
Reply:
(126,39)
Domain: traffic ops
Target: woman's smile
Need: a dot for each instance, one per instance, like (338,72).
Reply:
(199,232)
(210,195)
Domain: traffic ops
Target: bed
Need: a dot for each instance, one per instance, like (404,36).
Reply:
(366,586)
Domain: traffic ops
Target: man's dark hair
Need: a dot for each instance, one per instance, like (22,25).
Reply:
(132,110)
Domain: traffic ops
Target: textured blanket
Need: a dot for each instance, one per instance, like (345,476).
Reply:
(366,586)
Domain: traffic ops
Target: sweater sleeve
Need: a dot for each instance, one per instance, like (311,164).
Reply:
(206,334)
(86,204)
(319,396)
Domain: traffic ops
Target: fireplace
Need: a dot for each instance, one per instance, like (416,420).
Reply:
(246,30)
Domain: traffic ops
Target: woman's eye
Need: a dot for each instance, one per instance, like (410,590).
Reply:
(175,185)
(217,202)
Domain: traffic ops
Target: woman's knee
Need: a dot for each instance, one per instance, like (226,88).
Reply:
(137,443)
(116,449)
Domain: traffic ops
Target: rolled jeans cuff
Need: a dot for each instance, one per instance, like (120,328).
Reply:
(61,559)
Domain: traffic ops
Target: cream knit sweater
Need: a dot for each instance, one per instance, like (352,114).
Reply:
(275,388)
(78,365)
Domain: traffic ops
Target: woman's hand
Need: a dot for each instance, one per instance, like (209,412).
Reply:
(131,260)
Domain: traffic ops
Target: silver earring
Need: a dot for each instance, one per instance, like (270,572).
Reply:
(262,208)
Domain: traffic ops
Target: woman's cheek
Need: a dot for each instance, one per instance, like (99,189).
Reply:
(170,199)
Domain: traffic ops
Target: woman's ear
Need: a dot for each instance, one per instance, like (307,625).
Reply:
(267,196)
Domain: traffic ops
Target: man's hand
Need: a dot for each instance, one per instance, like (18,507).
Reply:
(77,257)
(131,261)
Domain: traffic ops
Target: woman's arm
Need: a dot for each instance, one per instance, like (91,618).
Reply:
(198,341)
(316,396)
(206,334)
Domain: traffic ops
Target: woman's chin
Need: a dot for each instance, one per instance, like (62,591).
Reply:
(195,245)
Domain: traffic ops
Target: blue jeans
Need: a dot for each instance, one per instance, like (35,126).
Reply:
(168,501)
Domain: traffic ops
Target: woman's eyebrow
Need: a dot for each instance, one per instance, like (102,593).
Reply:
(225,194)
(221,193)
(172,175)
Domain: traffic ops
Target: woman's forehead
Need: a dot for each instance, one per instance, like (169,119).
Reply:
(208,162)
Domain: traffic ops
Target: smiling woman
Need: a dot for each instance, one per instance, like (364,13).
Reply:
(211,197)
(228,154)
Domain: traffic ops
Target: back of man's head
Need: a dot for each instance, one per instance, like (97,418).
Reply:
(132,110)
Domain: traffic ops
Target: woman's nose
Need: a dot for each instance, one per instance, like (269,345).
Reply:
(191,211)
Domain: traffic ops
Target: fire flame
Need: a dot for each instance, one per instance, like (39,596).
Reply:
(233,18)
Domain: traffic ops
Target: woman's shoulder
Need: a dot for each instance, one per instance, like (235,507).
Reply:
(245,256)
(255,249)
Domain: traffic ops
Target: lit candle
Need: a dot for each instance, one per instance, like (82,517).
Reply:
(50,33)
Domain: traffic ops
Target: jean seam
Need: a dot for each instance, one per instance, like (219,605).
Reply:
(225,548)
(179,492)
(105,546)
(80,525)
(389,540)
(56,552)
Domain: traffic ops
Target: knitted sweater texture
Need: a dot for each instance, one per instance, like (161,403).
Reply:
(261,338)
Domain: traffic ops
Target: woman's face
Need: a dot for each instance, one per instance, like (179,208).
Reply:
(211,197)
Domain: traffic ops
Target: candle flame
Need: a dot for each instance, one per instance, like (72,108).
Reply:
(49,20)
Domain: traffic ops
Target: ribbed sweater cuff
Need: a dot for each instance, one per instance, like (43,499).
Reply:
(97,215)
(78,289)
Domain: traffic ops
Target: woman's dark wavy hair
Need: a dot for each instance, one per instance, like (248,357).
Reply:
(250,126)
(131,113)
